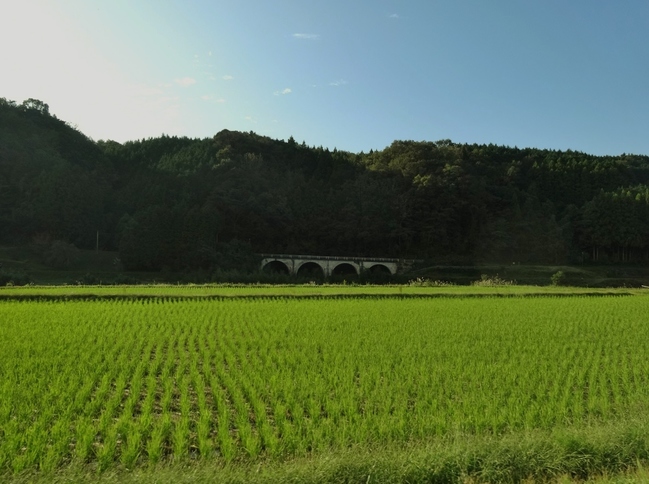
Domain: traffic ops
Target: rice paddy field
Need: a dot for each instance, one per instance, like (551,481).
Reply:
(308,384)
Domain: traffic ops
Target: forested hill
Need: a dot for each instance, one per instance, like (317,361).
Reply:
(186,203)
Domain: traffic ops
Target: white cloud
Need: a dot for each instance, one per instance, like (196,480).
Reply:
(227,77)
(251,119)
(306,36)
(338,83)
(394,15)
(209,97)
(283,92)
(185,81)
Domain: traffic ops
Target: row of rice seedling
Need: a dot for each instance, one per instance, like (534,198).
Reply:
(292,290)
(131,382)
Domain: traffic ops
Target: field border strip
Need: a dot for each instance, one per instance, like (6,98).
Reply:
(224,297)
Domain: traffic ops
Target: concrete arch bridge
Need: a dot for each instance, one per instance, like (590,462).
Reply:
(314,265)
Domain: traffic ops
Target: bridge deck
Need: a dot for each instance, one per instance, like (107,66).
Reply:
(327,257)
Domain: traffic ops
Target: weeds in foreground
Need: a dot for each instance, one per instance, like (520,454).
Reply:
(492,281)
(424,282)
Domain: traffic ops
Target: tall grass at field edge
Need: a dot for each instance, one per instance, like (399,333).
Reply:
(572,455)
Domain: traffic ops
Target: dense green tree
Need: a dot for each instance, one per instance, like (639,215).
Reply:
(615,224)
(211,203)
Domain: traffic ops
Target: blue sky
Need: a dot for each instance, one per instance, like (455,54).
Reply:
(347,74)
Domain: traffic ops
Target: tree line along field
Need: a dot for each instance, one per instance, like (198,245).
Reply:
(205,207)
(95,386)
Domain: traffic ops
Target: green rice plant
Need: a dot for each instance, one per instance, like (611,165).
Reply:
(226,443)
(127,382)
(33,443)
(181,439)
(107,449)
(14,454)
(147,404)
(204,437)
(167,395)
(248,440)
(59,446)
(94,403)
(131,450)
(85,439)
(155,447)
(204,424)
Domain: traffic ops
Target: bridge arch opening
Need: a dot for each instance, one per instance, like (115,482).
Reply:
(276,267)
(311,270)
(380,269)
(344,269)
